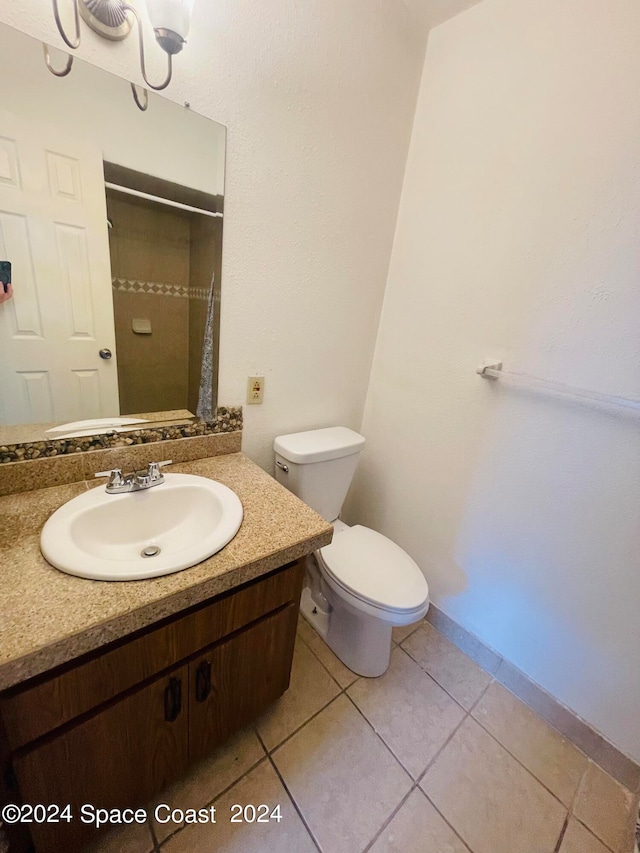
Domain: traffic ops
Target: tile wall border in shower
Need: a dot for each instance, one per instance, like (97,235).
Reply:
(160,288)
(570,725)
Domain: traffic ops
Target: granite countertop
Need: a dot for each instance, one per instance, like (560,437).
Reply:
(48,617)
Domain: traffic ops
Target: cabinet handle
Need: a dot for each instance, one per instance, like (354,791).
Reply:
(203,681)
(172,699)
(10,778)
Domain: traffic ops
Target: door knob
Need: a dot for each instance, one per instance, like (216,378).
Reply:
(105,353)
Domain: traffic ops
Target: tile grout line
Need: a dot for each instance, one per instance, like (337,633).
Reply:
(324,666)
(444,746)
(415,786)
(343,692)
(380,738)
(468,714)
(570,808)
(390,818)
(239,779)
(578,819)
(446,820)
(302,725)
(493,680)
(415,783)
(295,804)
(211,802)
(524,766)
(432,762)
(156,843)
(635,770)
(413,630)
(388,821)
(481,696)
(556,849)
(558,731)
(433,678)
(288,792)
(171,835)
(595,835)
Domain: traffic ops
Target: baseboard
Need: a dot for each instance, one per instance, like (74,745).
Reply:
(568,723)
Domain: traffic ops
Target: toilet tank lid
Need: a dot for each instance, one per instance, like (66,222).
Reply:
(318,445)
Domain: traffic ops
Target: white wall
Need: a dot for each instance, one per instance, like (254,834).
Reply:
(434,12)
(318,98)
(518,237)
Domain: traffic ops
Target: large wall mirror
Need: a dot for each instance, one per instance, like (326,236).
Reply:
(111,219)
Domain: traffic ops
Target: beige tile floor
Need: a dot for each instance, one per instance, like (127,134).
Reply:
(433,757)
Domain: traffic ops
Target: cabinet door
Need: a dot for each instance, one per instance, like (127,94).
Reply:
(238,679)
(118,758)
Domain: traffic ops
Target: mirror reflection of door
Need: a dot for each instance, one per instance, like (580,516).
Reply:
(61,142)
(53,229)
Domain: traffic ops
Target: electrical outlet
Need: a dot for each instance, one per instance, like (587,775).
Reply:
(255,390)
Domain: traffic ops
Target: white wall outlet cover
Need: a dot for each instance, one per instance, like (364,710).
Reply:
(255,390)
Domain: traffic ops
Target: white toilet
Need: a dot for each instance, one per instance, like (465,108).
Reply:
(362,584)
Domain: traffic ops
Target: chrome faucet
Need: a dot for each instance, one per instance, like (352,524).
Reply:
(120,483)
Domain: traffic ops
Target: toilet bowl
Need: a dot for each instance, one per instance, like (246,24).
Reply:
(367,585)
(361,585)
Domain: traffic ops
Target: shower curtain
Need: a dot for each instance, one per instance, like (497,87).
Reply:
(205,396)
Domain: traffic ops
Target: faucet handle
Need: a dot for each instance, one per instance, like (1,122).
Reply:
(115,477)
(154,468)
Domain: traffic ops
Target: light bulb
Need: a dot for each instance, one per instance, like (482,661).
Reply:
(171,15)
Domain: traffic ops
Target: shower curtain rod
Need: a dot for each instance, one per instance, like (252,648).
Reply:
(493,370)
(128,191)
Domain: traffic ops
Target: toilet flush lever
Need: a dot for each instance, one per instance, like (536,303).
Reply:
(285,468)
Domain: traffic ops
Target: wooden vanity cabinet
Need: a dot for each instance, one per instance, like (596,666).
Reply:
(119,757)
(117,727)
(236,680)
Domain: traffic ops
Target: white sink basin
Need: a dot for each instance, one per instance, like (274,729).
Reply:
(103,537)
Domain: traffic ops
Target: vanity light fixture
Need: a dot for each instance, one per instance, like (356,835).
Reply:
(114,19)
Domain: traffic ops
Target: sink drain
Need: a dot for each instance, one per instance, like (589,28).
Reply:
(150,551)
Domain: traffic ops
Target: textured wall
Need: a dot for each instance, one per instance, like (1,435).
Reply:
(434,12)
(318,98)
(518,238)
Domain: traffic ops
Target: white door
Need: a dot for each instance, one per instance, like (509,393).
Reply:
(53,229)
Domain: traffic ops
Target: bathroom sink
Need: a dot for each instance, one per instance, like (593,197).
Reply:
(142,534)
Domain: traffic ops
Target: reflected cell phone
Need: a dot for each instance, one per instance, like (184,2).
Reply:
(5,275)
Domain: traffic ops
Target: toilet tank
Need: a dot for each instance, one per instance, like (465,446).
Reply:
(318,466)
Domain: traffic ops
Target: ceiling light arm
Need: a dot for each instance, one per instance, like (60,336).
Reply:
(74,43)
(63,71)
(141,104)
(142,62)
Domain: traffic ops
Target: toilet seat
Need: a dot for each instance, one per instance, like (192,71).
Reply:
(373,569)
